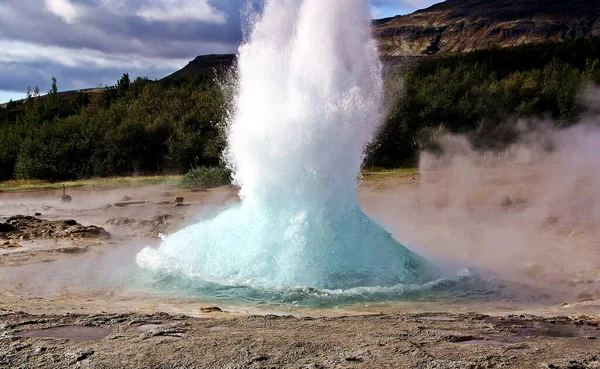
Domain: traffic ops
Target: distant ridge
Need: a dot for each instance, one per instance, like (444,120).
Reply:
(459,26)
(204,65)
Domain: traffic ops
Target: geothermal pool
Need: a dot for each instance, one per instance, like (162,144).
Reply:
(490,258)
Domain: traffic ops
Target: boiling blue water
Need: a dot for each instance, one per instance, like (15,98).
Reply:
(245,246)
(465,286)
(308,100)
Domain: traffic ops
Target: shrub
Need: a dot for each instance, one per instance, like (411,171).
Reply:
(206,177)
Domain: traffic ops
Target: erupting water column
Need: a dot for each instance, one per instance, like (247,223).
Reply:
(308,100)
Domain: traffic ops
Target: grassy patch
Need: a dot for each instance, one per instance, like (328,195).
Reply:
(23,185)
(389,173)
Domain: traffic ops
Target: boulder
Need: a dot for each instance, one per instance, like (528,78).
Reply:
(5,228)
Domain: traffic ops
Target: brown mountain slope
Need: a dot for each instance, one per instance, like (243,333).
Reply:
(456,26)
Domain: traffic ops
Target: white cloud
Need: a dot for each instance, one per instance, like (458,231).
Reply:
(181,10)
(85,43)
(24,52)
(63,9)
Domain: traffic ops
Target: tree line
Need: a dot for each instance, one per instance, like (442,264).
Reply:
(134,127)
(175,125)
(482,95)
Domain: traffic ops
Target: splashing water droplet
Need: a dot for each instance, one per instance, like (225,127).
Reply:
(308,100)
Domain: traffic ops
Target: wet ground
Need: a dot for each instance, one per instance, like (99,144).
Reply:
(67,300)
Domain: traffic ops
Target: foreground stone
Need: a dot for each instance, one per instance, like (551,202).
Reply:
(28,227)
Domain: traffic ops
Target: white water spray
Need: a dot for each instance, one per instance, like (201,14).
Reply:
(308,101)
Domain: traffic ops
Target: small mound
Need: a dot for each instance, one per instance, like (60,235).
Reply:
(28,227)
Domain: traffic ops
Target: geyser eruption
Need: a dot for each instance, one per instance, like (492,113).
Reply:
(308,100)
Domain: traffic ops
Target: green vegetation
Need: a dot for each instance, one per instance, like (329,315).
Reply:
(132,128)
(483,94)
(206,177)
(143,127)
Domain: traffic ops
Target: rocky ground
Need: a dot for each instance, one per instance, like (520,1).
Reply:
(25,227)
(372,341)
(66,300)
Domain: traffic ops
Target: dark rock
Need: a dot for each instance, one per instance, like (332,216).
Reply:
(26,227)
(210,309)
(70,222)
(178,200)
(129,203)
(126,198)
(22,220)
(506,201)
(259,358)
(89,232)
(5,227)
(38,214)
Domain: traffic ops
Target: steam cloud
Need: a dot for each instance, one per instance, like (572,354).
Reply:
(530,213)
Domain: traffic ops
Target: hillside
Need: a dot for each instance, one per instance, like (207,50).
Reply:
(204,65)
(458,26)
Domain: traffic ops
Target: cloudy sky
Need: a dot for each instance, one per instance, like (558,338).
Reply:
(90,43)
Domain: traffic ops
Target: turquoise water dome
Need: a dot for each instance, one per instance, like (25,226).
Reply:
(308,100)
